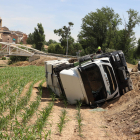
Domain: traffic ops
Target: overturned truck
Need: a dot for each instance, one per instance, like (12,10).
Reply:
(94,80)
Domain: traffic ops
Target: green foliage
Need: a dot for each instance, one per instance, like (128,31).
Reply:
(56,48)
(29,111)
(18,58)
(51,48)
(43,117)
(50,42)
(30,39)
(59,49)
(75,48)
(3,58)
(17,78)
(130,57)
(62,121)
(39,37)
(78,117)
(137,51)
(98,28)
(64,32)
(107,50)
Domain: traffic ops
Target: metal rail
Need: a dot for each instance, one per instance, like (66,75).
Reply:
(19,50)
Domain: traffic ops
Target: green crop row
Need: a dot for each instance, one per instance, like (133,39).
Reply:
(33,106)
(16,79)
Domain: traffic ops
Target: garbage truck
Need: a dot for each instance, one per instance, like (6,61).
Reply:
(94,79)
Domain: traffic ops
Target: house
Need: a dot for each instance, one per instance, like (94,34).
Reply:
(9,36)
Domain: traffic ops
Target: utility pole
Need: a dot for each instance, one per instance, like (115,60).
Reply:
(68,29)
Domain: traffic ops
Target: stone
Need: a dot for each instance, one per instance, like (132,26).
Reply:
(136,131)
(109,120)
(138,111)
(134,70)
(111,105)
(132,117)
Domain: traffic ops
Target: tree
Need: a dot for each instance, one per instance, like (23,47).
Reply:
(138,49)
(30,39)
(50,42)
(39,37)
(126,37)
(59,49)
(98,28)
(64,32)
(51,48)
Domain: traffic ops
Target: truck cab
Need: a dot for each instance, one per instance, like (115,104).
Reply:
(94,81)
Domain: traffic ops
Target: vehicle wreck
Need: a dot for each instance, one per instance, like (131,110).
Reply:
(95,80)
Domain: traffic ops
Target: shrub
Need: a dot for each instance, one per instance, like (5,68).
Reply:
(18,58)
(51,48)
(59,49)
(3,58)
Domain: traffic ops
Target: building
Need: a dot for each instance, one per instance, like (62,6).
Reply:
(9,36)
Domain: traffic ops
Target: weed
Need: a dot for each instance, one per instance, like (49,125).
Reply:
(135,121)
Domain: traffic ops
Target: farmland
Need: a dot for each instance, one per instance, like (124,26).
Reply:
(29,110)
(16,86)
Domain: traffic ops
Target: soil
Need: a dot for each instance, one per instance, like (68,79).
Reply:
(119,120)
(3,63)
(38,62)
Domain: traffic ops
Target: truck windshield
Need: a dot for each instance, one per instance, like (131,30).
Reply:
(111,78)
(95,81)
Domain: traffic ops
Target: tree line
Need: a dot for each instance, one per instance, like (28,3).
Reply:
(100,28)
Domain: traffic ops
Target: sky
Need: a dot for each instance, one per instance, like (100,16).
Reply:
(23,15)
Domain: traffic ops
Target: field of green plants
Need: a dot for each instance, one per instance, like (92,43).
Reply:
(12,82)
(17,110)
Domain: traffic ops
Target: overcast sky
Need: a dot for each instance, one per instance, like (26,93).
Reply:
(23,15)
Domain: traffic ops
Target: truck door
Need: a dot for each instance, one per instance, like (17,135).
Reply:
(110,81)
